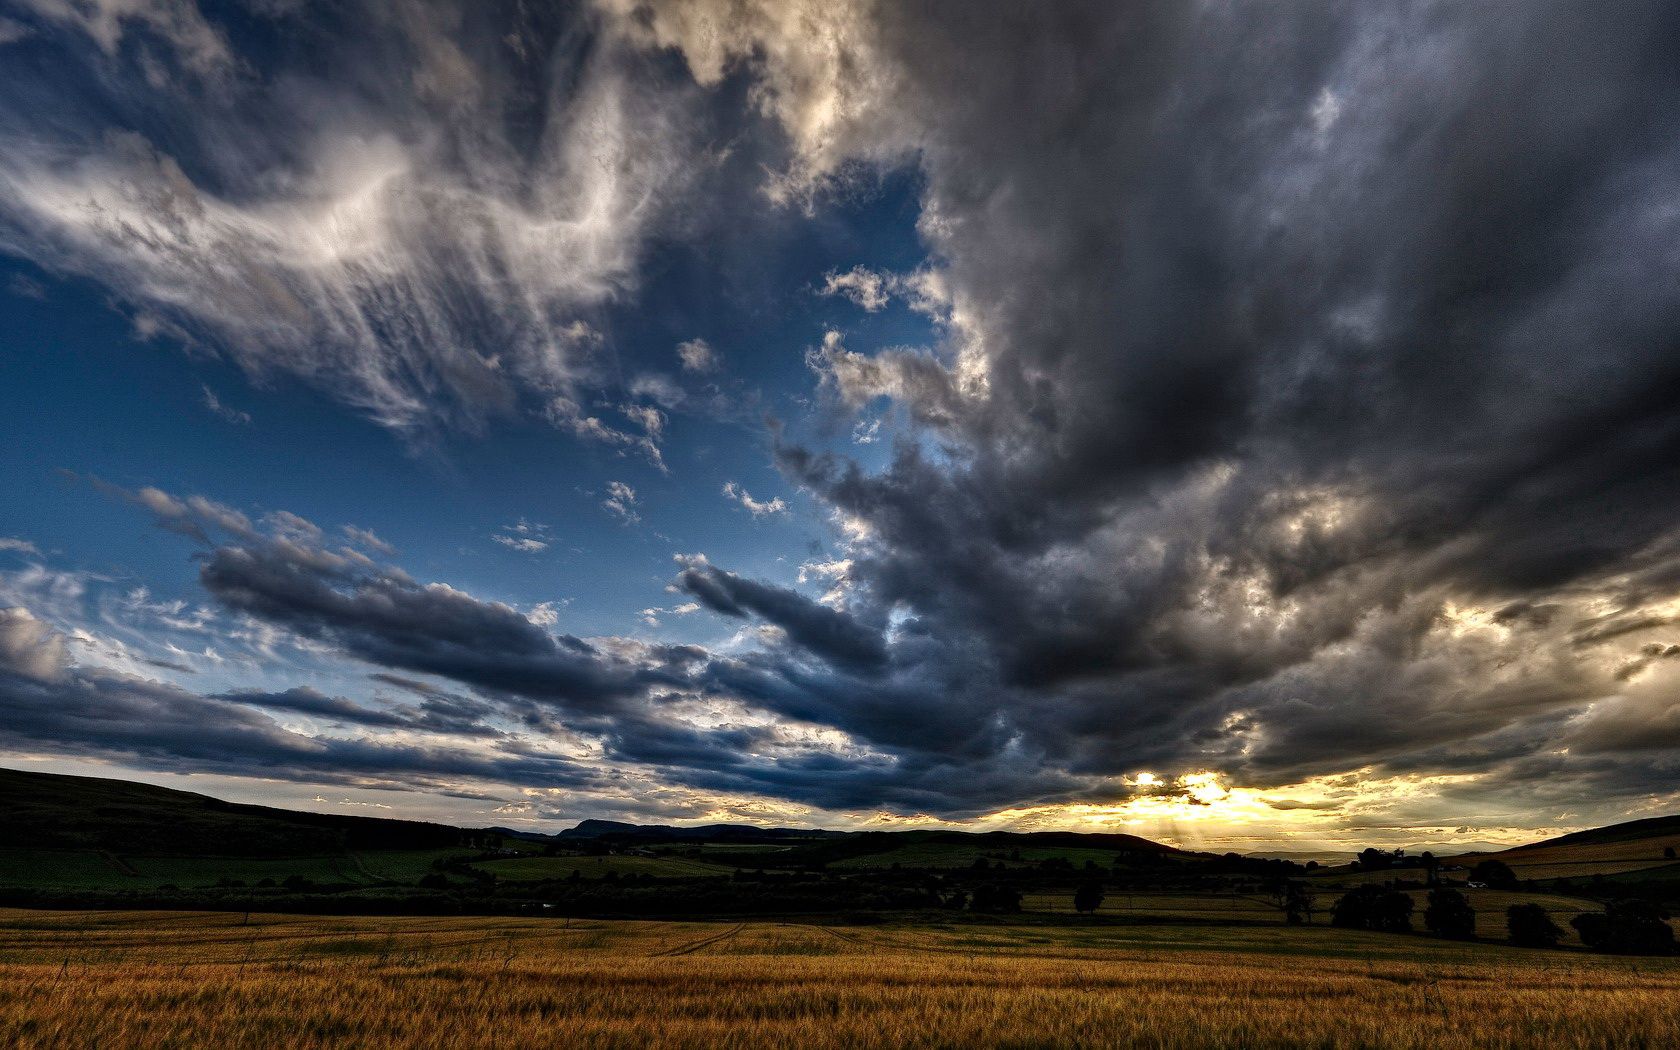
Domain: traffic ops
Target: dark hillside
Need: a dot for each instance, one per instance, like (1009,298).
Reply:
(49,811)
(1632,831)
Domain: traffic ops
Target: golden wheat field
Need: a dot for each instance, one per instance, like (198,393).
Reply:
(211,980)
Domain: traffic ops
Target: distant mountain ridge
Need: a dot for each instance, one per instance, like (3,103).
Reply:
(595,829)
(750,833)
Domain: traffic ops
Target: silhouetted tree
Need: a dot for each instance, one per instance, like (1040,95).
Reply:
(1373,859)
(1529,926)
(1088,897)
(1449,915)
(1373,908)
(1431,866)
(1631,927)
(1496,873)
(1298,903)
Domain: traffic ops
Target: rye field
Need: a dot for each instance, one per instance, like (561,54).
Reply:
(146,979)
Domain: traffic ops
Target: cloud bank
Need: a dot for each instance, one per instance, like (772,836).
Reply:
(1301,410)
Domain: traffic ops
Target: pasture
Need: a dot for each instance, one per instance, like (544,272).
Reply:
(127,979)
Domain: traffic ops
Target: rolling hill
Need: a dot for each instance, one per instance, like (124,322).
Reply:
(1616,849)
(52,811)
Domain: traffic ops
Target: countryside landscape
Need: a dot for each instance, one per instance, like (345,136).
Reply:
(839,523)
(145,916)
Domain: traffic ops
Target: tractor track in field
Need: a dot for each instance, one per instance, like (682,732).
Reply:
(882,940)
(845,938)
(703,942)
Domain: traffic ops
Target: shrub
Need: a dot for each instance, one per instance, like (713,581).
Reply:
(996,899)
(1088,897)
(1496,873)
(1631,927)
(1373,908)
(1529,926)
(1449,915)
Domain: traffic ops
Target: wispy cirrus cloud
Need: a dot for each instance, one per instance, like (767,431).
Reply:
(409,247)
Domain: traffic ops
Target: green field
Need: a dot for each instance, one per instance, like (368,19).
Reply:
(90,870)
(533,869)
(940,855)
(71,869)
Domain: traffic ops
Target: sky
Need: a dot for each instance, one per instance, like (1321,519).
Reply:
(1251,426)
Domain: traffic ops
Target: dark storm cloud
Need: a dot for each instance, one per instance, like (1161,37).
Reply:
(1304,399)
(637,701)
(47,702)
(1308,391)
(441,714)
(829,633)
(381,616)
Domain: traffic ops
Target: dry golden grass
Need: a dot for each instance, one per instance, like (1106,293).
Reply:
(1584,860)
(129,980)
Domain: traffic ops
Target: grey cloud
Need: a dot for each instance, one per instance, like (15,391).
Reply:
(1302,398)
(88,711)
(829,633)
(390,620)
(438,713)
(1299,407)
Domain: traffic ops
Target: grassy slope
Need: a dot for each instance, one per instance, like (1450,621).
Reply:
(94,870)
(52,811)
(1601,851)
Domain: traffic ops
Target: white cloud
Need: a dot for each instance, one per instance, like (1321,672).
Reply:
(834,569)
(222,411)
(11,543)
(522,543)
(834,99)
(1326,111)
(650,616)
(366,538)
(527,537)
(697,356)
(547,614)
(757,508)
(416,262)
(659,388)
(198,45)
(621,501)
(862,286)
(293,527)
(568,415)
(30,646)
